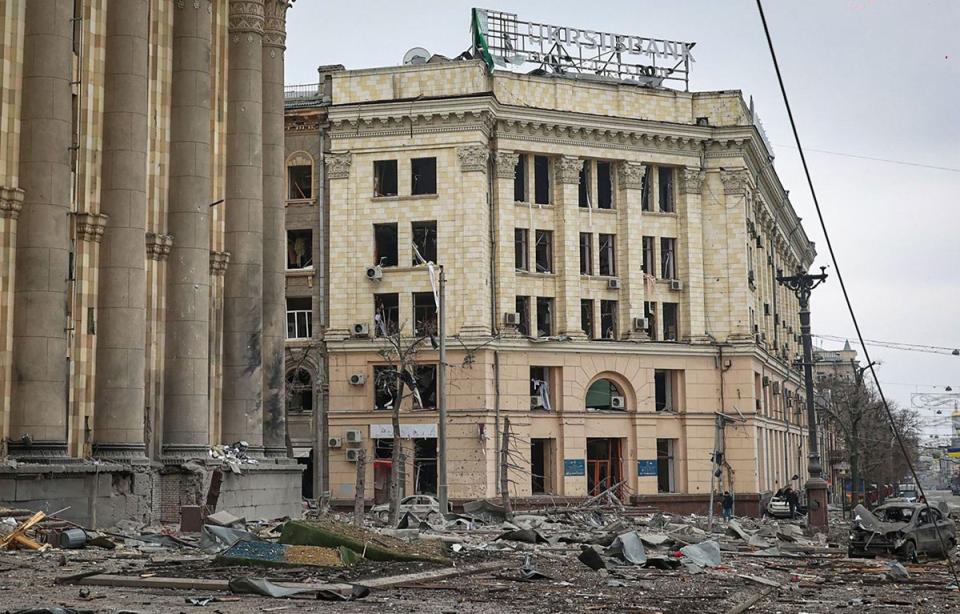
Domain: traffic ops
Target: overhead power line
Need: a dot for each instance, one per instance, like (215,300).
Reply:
(896,345)
(843,286)
(842,154)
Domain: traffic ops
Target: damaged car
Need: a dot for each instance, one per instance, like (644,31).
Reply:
(904,530)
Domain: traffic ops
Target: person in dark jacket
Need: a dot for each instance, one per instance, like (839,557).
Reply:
(727,503)
(793,500)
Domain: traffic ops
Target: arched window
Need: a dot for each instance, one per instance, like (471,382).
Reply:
(605,395)
(299,176)
(299,391)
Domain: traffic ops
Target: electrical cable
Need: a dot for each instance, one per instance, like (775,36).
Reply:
(846,296)
(896,345)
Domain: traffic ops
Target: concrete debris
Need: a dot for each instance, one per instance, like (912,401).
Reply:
(232,456)
(704,554)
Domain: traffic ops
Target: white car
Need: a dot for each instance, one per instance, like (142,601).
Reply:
(423,507)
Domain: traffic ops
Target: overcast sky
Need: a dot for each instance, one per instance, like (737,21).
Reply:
(873,78)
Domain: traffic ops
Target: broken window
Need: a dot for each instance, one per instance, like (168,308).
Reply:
(386,314)
(523,309)
(299,182)
(424,242)
(645,199)
(586,317)
(299,317)
(586,253)
(384,387)
(424,314)
(423,176)
(663,382)
(666,472)
(668,267)
(540,388)
(521,249)
(425,466)
(520,179)
(299,249)
(425,395)
(604,186)
(299,391)
(650,313)
(583,197)
(648,255)
(608,258)
(541,460)
(665,193)
(385,244)
(541,180)
(385,178)
(608,319)
(670,329)
(544,316)
(544,251)
(603,394)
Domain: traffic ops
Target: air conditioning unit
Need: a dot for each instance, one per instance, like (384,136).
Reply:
(776,387)
(358,379)
(334,442)
(766,381)
(640,324)
(375,272)
(613,283)
(354,436)
(536,402)
(361,329)
(353,454)
(618,402)
(676,285)
(511,318)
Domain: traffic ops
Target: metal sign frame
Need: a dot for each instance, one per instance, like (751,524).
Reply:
(503,40)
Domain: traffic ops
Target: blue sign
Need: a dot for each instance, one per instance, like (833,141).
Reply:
(646,468)
(574,467)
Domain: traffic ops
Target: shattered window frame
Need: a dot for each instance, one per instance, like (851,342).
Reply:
(671,321)
(300,182)
(423,176)
(386,244)
(386,308)
(599,396)
(545,315)
(522,306)
(425,240)
(520,179)
(668,258)
(586,317)
(521,249)
(666,189)
(648,245)
(384,387)
(645,184)
(608,255)
(584,185)
(606,193)
(541,385)
(664,389)
(586,253)
(609,320)
(544,251)
(424,314)
(542,180)
(385,178)
(300,388)
(299,249)
(425,376)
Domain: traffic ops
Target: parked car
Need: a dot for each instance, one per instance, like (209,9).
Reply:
(423,507)
(902,529)
(777,507)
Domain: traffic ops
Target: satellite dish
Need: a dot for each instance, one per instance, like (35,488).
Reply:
(416,56)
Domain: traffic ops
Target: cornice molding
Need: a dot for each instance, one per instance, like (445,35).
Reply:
(568,170)
(506,162)
(246,16)
(158,246)
(338,165)
(400,124)
(90,226)
(219,262)
(473,158)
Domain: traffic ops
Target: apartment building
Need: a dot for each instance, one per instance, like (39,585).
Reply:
(610,253)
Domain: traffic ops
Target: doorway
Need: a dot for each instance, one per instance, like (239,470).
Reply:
(425,466)
(541,466)
(382,466)
(604,465)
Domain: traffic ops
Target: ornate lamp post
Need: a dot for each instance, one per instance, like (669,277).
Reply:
(802,284)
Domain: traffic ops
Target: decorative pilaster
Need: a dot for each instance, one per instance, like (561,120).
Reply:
(11,202)
(630,248)
(505,163)
(690,261)
(218,268)
(472,238)
(737,192)
(565,253)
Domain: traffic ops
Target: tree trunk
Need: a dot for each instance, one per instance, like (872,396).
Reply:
(358,495)
(504,465)
(854,444)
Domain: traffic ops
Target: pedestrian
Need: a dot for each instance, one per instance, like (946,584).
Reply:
(792,500)
(727,503)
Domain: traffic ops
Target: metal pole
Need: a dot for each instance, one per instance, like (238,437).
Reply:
(442,402)
(802,285)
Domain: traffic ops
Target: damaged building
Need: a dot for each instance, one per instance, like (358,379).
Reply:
(610,252)
(142,257)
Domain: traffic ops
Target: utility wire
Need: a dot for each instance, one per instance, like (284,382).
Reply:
(875,159)
(896,345)
(843,287)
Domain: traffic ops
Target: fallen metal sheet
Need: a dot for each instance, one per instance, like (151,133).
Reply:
(734,529)
(592,557)
(628,547)
(704,554)
(528,536)
(215,539)
(655,539)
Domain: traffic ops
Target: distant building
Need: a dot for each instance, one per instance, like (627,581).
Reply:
(610,251)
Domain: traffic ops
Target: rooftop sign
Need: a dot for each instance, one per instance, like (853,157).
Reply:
(500,39)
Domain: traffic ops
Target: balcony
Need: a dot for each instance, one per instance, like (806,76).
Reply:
(302,95)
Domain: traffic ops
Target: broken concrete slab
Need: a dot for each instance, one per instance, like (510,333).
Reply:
(280,555)
(368,544)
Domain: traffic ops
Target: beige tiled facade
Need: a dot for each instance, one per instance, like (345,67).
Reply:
(729,225)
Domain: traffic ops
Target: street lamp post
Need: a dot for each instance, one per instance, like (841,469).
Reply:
(442,399)
(802,284)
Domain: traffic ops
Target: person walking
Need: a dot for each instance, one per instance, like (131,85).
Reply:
(792,500)
(727,503)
